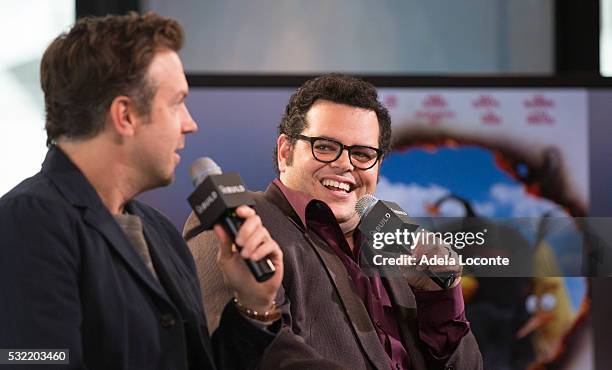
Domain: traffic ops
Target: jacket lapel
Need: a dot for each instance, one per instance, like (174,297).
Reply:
(405,308)
(78,191)
(353,306)
(112,232)
(174,279)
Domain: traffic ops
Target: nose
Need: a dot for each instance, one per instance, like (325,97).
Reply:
(188,125)
(344,161)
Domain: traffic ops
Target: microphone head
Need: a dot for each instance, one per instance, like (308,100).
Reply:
(201,168)
(364,204)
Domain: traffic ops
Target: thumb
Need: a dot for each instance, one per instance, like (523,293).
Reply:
(225,247)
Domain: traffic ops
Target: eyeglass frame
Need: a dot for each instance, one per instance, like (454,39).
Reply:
(349,148)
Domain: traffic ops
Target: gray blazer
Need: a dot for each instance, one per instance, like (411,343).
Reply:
(326,325)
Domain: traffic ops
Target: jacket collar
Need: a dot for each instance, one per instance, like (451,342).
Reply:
(69,180)
(275,195)
(79,192)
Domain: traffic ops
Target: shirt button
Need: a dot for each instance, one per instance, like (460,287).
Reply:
(450,367)
(397,365)
(167,320)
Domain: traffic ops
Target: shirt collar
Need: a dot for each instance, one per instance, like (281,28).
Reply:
(297,199)
(316,215)
(306,207)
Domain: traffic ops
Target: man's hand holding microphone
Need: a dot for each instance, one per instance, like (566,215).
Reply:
(256,244)
(250,260)
(379,216)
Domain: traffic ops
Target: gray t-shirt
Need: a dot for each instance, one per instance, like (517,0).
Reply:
(132,227)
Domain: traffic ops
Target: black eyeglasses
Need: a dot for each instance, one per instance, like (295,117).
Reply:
(327,150)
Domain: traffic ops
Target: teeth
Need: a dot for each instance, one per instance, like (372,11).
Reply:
(340,185)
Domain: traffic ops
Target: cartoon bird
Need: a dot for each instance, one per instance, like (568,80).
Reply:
(494,305)
(549,304)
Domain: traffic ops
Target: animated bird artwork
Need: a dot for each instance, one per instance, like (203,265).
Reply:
(509,161)
(549,303)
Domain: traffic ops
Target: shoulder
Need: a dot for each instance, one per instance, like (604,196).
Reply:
(36,200)
(264,207)
(37,186)
(38,226)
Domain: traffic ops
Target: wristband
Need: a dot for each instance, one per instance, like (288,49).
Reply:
(272,314)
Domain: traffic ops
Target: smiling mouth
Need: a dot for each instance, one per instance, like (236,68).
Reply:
(337,185)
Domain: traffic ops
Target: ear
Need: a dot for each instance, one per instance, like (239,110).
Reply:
(283,148)
(122,116)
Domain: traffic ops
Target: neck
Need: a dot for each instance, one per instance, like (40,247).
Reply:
(102,166)
(348,235)
(350,240)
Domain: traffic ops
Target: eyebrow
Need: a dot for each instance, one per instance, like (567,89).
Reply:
(329,138)
(334,139)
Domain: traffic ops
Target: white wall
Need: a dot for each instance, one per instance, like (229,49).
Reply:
(26,28)
(365,36)
(605,40)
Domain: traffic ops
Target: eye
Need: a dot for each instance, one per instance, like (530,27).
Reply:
(325,146)
(363,154)
(548,302)
(531,304)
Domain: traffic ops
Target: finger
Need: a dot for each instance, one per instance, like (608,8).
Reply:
(255,239)
(448,260)
(222,235)
(419,251)
(446,267)
(225,246)
(431,250)
(270,249)
(245,211)
(250,225)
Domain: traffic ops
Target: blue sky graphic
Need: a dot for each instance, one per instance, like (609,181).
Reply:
(469,172)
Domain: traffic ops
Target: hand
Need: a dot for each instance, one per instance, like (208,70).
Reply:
(256,243)
(437,249)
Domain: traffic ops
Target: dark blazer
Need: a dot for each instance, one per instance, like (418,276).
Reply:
(70,279)
(327,324)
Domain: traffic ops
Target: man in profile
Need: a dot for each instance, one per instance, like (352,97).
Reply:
(332,138)
(84,266)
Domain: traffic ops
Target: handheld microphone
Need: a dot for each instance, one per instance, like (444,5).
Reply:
(214,201)
(380,216)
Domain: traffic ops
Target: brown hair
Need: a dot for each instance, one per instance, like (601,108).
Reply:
(337,88)
(98,59)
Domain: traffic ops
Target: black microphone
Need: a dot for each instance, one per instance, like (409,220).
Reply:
(214,201)
(380,216)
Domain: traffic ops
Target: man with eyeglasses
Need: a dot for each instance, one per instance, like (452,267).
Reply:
(332,138)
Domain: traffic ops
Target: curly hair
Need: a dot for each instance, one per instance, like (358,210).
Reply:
(98,59)
(337,88)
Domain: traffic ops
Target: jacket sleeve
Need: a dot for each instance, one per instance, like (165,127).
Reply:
(39,267)
(237,343)
(445,331)
(234,336)
(466,356)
